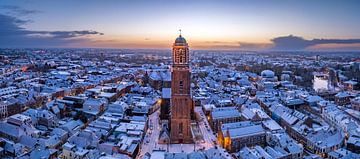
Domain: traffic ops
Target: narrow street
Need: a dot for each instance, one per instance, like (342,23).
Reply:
(209,137)
(151,137)
(150,141)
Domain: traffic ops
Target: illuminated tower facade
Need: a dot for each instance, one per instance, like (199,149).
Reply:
(181,102)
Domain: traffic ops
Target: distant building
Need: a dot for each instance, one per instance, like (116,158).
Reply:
(268,75)
(342,154)
(349,85)
(165,104)
(3,110)
(94,106)
(319,141)
(72,126)
(17,126)
(9,107)
(160,79)
(76,101)
(353,144)
(342,98)
(268,152)
(71,151)
(234,136)
(19,119)
(356,103)
(223,115)
(42,117)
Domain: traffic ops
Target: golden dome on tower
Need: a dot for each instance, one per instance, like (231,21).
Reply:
(180,41)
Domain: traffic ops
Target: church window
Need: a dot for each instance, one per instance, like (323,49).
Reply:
(180,128)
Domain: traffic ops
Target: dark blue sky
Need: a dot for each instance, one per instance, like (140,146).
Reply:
(226,24)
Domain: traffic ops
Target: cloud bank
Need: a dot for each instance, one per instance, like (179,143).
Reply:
(287,43)
(298,43)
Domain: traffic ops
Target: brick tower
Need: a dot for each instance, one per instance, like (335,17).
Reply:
(181,102)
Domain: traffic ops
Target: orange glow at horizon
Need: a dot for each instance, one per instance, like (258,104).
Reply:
(196,42)
(165,42)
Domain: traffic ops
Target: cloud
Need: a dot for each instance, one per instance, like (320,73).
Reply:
(16,10)
(298,43)
(12,34)
(335,47)
(284,43)
(66,34)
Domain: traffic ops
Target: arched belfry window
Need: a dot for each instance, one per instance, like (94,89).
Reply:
(181,56)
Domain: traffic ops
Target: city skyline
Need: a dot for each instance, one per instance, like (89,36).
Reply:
(225,25)
(204,79)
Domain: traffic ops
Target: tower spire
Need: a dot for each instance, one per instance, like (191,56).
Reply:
(180,32)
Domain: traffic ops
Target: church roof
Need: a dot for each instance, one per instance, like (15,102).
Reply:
(180,41)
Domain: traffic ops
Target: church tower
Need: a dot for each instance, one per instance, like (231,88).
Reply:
(181,102)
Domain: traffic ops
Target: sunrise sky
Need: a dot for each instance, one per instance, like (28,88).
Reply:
(206,24)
